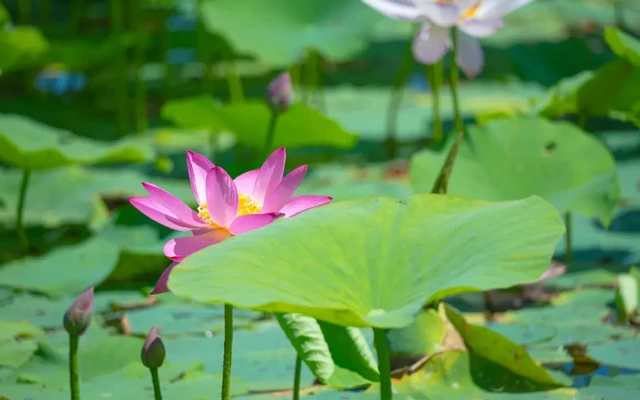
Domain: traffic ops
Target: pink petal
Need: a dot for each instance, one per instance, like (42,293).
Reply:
(279,196)
(198,166)
(441,14)
(179,248)
(481,28)
(269,175)
(431,44)
(249,222)
(175,206)
(469,55)
(398,9)
(246,182)
(161,285)
(298,204)
(157,212)
(222,197)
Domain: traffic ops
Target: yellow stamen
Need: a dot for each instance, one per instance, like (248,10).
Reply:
(471,11)
(246,205)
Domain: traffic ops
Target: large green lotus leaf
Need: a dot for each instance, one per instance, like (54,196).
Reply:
(517,157)
(499,350)
(27,144)
(83,53)
(621,387)
(338,356)
(299,126)
(65,270)
(20,46)
(171,139)
(620,353)
(375,261)
(424,336)
(623,45)
(74,195)
(263,357)
(37,310)
(523,334)
(279,32)
(16,346)
(464,375)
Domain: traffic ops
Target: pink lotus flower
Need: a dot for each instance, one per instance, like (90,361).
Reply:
(227,207)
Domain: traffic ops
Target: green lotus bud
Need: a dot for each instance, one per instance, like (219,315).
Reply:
(279,93)
(78,316)
(153,351)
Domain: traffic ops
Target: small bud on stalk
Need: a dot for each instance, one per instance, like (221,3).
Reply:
(153,351)
(279,93)
(78,316)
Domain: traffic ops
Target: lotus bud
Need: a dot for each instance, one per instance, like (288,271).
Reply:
(153,351)
(279,94)
(78,316)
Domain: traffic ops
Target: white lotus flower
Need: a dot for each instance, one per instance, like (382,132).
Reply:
(474,18)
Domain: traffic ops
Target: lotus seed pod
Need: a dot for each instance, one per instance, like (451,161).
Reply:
(153,351)
(279,93)
(78,316)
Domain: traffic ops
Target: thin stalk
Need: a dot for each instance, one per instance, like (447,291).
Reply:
(434,74)
(568,238)
(140,90)
(404,71)
(455,76)
(167,87)
(296,377)
(74,385)
(24,12)
(155,379)
(45,13)
(76,15)
(234,81)
(271,133)
(228,347)
(117,28)
(441,184)
(310,77)
(24,184)
(380,342)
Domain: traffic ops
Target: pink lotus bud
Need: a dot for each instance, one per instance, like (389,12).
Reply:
(153,351)
(279,94)
(78,316)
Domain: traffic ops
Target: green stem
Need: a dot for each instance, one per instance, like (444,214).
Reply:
(165,44)
(74,385)
(568,238)
(22,236)
(140,92)
(455,75)
(228,347)
(434,74)
(380,341)
(45,14)
(310,77)
(404,71)
(296,377)
(117,28)
(271,133)
(235,83)
(24,12)
(441,184)
(76,15)
(157,392)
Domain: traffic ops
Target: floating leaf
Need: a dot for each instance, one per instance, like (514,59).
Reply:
(65,270)
(620,353)
(499,350)
(299,126)
(424,336)
(284,30)
(16,348)
(28,144)
(375,261)
(339,357)
(514,158)
(627,295)
(37,310)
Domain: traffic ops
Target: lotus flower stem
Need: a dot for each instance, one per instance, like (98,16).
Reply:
(296,377)
(140,93)
(234,81)
(22,236)
(454,82)
(117,28)
(380,342)
(74,384)
(441,184)
(404,71)
(157,392)
(434,75)
(568,239)
(228,348)
(271,133)
(310,77)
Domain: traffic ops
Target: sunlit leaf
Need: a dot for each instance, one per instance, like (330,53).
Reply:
(375,261)
(623,45)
